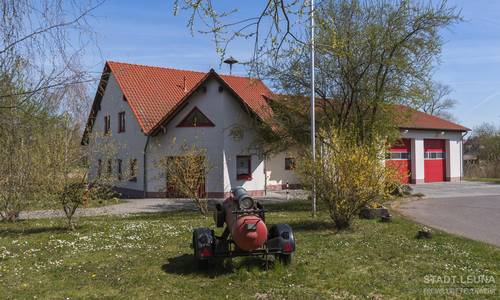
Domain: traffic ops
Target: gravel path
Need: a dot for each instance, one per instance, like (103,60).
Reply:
(152,205)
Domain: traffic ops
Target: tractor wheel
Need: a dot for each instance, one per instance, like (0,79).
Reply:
(201,263)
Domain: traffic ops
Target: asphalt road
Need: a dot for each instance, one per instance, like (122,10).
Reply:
(473,216)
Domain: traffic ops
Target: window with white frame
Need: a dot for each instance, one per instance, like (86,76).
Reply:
(398,155)
(434,155)
(244,167)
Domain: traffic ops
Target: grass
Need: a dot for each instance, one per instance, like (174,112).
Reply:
(149,257)
(490,180)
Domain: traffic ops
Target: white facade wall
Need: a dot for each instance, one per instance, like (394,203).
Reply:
(453,152)
(417,160)
(129,144)
(275,170)
(454,160)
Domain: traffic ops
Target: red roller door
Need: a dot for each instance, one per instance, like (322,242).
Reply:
(399,158)
(434,160)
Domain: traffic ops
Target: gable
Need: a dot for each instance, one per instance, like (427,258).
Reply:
(196,118)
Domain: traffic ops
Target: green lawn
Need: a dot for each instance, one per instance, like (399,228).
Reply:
(149,256)
(491,180)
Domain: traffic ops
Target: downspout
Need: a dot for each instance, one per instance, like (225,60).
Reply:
(265,174)
(144,168)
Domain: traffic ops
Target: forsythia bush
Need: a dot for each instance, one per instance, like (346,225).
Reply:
(186,173)
(347,176)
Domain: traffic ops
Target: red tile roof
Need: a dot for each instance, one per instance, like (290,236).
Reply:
(414,119)
(154,93)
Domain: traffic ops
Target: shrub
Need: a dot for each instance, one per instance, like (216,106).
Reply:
(347,175)
(186,174)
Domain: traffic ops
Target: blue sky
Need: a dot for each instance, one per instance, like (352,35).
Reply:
(146,32)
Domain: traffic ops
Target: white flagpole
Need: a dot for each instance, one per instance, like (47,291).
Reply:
(313,117)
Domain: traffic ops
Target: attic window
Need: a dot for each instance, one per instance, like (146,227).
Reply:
(196,119)
(124,98)
(221,89)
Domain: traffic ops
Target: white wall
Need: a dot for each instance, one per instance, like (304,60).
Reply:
(276,173)
(454,159)
(417,160)
(130,144)
(236,117)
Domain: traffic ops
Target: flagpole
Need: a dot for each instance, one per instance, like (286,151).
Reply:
(313,114)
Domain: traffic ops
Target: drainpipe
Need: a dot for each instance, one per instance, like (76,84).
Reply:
(144,168)
(462,156)
(265,174)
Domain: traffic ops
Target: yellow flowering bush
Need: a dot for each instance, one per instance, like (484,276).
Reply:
(348,175)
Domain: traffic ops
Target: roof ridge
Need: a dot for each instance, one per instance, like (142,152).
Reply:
(156,67)
(183,70)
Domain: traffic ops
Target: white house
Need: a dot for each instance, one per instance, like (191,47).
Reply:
(150,111)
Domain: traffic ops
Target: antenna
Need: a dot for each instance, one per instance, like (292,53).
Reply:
(230,61)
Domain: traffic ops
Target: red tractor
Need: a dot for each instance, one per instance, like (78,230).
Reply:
(245,233)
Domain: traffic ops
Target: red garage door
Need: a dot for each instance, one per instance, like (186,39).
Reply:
(399,158)
(434,160)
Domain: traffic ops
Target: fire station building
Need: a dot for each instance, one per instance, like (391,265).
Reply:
(149,111)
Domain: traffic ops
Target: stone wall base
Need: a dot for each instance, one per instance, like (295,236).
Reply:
(280,187)
(129,193)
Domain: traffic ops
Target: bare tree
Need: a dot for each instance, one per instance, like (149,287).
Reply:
(369,54)
(41,42)
(41,45)
(72,183)
(437,101)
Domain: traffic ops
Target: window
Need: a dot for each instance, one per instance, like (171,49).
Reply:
(133,169)
(110,167)
(107,124)
(196,119)
(397,155)
(119,169)
(434,155)
(244,167)
(99,168)
(289,163)
(121,121)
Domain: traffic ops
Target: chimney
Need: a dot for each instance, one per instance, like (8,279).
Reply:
(184,84)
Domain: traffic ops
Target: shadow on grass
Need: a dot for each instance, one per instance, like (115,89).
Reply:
(32,230)
(185,265)
(312,225)
(295,205)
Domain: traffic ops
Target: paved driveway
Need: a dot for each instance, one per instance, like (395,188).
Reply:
(457,189)
(468,209)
